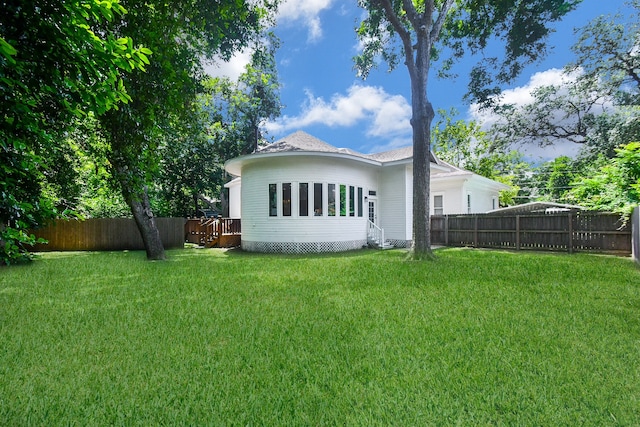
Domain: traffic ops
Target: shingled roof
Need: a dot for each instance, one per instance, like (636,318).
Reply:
(298,141)
(302,141)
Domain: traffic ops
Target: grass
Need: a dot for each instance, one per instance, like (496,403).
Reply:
(363,338)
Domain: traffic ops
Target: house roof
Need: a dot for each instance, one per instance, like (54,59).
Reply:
(302,141)
(299,141)
(537,207)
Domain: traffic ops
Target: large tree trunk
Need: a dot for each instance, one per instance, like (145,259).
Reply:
(126,157)
(138,201)
(141,210)
(421,239)
(422,116)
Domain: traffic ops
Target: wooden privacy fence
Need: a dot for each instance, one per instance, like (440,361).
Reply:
(570,232)
(106,234)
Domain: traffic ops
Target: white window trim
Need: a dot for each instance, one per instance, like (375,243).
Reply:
(433,202)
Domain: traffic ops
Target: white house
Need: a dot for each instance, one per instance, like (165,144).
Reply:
(301,194)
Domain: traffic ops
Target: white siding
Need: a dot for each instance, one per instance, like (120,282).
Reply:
(453,196)
(392,205)
(409,202)
(258,226)
(234,198)
(481,196)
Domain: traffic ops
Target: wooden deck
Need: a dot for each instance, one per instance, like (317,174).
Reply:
(214,232)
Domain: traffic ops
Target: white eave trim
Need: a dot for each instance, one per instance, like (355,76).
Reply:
(234,166)
(234,182)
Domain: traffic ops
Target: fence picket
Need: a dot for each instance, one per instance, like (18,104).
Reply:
(569,232)
(106,234)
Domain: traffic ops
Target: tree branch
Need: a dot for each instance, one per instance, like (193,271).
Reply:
(412,13)
(442,15)
(404,34)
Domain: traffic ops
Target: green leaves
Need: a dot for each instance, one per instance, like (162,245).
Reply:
(59,63)
(7,51)
(614,186)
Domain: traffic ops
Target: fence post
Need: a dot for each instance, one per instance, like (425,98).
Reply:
(570,217)
(446,230)
(517,232)
(635,234)
(475,231)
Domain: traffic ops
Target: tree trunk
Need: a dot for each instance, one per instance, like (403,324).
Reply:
(138,201)
(195,204)
(422,117)
(141,210)
(421,239)
(224,202)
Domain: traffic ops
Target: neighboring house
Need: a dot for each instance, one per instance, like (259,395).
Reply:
(301,194)
(537,208)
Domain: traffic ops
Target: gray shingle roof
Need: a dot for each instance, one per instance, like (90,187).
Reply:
(302,141)
(393,155)
(299,141)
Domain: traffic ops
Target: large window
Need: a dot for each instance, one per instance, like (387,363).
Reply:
(317,199)
(303,190)
(343,200)
(304,199)
(331,197)
(438,206)
(352,200)
(286,199)
(273,200)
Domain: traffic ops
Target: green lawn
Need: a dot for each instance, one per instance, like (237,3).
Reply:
(364,338)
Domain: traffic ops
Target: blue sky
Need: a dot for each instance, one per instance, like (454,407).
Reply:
(323,96)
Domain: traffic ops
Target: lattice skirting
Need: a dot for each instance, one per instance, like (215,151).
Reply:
(302,247)
(400,243)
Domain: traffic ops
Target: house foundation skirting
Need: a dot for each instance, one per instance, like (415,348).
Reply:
(302,247)
(400,243)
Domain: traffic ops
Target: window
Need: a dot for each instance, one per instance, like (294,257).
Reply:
(317,199)
(352,200)
(343,200)
(438,206)
(332,199)
(286,199)
(303,190)
(273,200)
(494,202)
(468,203)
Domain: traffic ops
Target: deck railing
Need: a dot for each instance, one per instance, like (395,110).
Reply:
(213,231)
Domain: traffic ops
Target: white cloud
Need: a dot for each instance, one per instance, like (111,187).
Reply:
(520,96)
(387,114)
(290,12)
(305,11)
(231,68)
